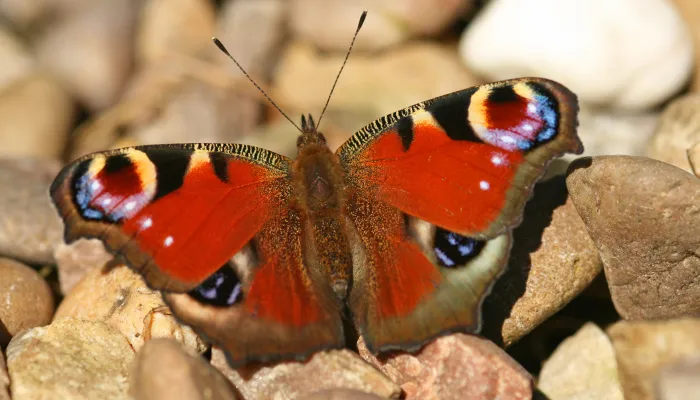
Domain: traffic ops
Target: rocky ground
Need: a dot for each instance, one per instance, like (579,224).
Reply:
(602,296)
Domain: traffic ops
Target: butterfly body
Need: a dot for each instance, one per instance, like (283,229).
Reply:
(406,226)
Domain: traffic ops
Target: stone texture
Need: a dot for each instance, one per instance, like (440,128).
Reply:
(120,298)
(583,367)
(164,370)
(90,50)
(457,366)
(69,359)
(677,131)
(17,63)
(36,115)
(341,394)
(335,369)
(643,216)
(608,52)
(644,348)
(689,10)
(26,300)
(75,260)
(4,379)
(679,381)
(29,225)
(552,261)
(694,158)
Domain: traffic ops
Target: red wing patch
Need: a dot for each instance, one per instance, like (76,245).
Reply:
(174,213)
(466,161)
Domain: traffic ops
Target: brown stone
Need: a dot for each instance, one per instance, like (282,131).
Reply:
(679,381)
(552,261)
(341,394)
(643,216)
(26,300)
(583,367)
(644,348)
(694,158)
(689,10)
(17,63)
(457,366)
(164,370)
(75,260)
(119,297)
(677,131)
(69,359)
(335,369)
(4,379)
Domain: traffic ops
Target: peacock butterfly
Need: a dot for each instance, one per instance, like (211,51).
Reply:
(403,230)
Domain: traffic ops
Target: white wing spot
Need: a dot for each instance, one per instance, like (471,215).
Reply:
(147,223)
(527,128)
(531,108)
(130,205)
(484,185)
(497,159)
(95,185)
(168,241)
(107,201)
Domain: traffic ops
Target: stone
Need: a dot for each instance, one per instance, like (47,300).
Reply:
(164,370)
(94,66)
(181,27)
(610,53)
(69,359)
(75,260)
(644,348)
(36,116)
(689,10)
(334,369)
(120,298)
(372,85)
(30,15)
(677,131)
(17,63)
(643,216)
(4,379)
(694,159)
(582,367)
(552,261)
(457,366)
(329,24)
(341,394)
(30,228)
(26,300)
(679,381)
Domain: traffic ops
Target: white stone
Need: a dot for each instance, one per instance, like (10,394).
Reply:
(629,54)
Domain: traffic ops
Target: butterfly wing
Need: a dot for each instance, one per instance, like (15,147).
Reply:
(465,162)
(177,213)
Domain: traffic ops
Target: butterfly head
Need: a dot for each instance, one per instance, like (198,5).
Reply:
(309,134)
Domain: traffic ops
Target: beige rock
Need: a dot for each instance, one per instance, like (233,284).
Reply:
(679,381)
(329,24)
(164,370)
(75,260)
(689,10)
(4,379)
(120,298)
(333,369)
(341,394)
(91,50)
(174,27)
(643,216)
(28,15)
(36,115)
(694,158)
(678,130)
(643,348)
(582,367)
(17,63)
(552,261)
(26,300)
(457,366)
(69,359)
(30,228)
(373,85)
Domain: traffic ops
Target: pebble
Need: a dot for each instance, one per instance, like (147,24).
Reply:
(4,379)
(677,131)
(644,348)
(694,159)
(552,261)
(457,366)
(94,66)
(17,62)
(36,116)
(69,359)
(120,298)
(168,27)
(334,369)
(689,10)
(643,216)
(164,370)
(75,260)
(26,300)
(29,225)
(609,52)
(583,367)
(679,381)
(341,394)
(329,24)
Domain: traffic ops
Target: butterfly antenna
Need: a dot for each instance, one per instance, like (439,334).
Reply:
(221,47)
(359,25)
